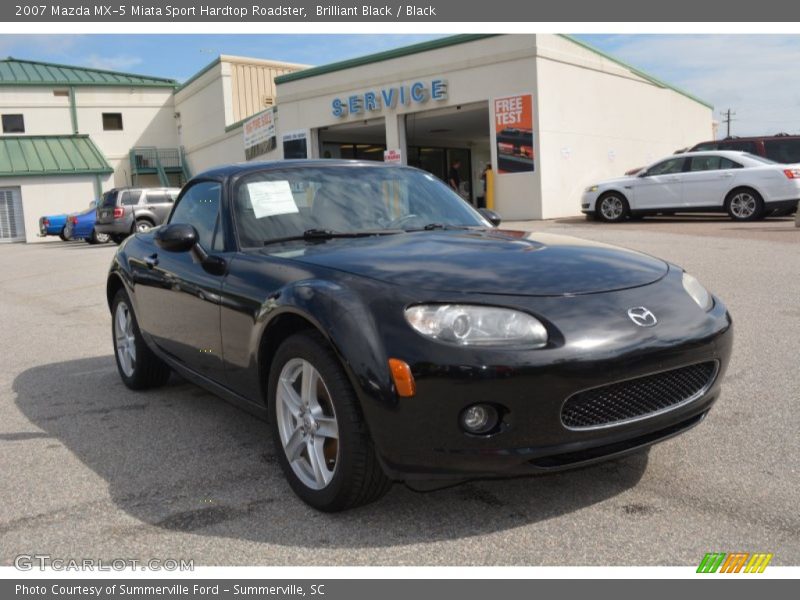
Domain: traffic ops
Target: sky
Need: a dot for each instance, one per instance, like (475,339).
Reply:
(753,75)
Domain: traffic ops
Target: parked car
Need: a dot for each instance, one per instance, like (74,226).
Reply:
(745,186)
(81,226)
(125,210)
(409,340)
(782,148)
(53,225)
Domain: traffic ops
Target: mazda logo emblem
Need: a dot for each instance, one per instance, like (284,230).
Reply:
(642,316)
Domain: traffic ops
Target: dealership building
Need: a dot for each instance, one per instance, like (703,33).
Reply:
(548,113)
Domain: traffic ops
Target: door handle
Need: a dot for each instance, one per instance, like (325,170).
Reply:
(151,261)
(727,175)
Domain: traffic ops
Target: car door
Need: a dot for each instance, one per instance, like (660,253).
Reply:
(660,186)
(179,297)
(159,203)
(707,180)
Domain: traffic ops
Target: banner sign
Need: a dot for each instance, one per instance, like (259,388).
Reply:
(259,134)
(513,121)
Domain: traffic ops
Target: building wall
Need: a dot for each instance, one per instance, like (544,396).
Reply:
(499,65)
(43,196)
(598,119)
(253,83)
(147,120)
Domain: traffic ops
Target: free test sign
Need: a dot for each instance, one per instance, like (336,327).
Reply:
(513,125)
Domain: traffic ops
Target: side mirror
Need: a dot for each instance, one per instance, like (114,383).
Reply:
(491,216)
(176,237)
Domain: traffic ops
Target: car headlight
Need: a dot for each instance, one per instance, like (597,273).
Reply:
(592,188)
(698,293)
(467,325)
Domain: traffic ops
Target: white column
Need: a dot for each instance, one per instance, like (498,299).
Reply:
(396,135)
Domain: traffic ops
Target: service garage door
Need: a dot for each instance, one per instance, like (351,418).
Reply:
(12,225)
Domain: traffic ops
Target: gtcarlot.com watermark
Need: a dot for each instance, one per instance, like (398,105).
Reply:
(42,562)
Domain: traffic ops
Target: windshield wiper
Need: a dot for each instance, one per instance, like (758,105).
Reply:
(329,234)
(440,226)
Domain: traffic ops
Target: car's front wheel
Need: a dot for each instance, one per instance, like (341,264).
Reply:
(319,433)
(138,366)
(744,205)
(612,207)
(63,235)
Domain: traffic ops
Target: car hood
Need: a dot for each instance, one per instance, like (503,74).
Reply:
(617,181)
(484,262)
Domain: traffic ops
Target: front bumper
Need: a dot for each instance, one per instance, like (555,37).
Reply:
(420,438)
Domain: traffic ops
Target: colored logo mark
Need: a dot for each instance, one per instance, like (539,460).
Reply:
(735,562)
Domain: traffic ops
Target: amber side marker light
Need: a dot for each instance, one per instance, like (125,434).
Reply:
(402,377)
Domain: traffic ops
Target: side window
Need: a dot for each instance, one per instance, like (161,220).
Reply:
(667,167)
(130,197)
(705,163)
(783,151)
(157,198)
(738,145)
(199,206)
(726,163)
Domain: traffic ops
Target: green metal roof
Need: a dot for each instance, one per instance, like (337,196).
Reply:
(381,56)
(39,155)
(14,71)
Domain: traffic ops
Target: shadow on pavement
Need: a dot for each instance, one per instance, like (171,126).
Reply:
(180,459)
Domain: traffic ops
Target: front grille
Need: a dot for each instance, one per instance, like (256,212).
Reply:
(637,398)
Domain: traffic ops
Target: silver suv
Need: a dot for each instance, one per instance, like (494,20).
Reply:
(123,211)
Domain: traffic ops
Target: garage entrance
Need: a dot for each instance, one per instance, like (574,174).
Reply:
(436,139)
(12,223)
(363,140)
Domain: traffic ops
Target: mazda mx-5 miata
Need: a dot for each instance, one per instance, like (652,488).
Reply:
(390,332)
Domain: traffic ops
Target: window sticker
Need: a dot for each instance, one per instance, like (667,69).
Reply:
(271,198)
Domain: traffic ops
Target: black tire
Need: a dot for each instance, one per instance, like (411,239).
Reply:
(98,238)
(621,209)
(744,204)
(142,225)
(148,370)
(357,477)
(63,235)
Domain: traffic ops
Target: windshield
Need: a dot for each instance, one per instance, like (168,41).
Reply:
(288,203)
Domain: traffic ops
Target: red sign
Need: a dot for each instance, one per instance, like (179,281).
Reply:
(513,121)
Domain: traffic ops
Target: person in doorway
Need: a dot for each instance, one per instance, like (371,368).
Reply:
(454,177)
(484,181)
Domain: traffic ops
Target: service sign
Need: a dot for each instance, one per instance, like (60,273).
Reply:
(259,134)
(513,124)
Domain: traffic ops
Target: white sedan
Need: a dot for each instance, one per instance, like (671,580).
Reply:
(746,186)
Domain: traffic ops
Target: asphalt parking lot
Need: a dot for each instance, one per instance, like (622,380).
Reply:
(91,469)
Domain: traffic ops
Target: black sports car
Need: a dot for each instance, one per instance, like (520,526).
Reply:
(389,332)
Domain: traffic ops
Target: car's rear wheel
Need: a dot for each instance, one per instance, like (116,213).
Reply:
(98,238)
(613,207)
(63,235)
(142,226)
(138,366)
(744,205)
(320,436)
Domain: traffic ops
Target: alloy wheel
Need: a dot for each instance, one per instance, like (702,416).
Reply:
(143,227)
(125,339)
(743,205)
(307,425)
(612,207)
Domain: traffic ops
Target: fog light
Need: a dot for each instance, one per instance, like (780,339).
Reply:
(479,418)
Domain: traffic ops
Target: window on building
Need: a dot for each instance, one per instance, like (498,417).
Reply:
(112,121)
(13,124)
